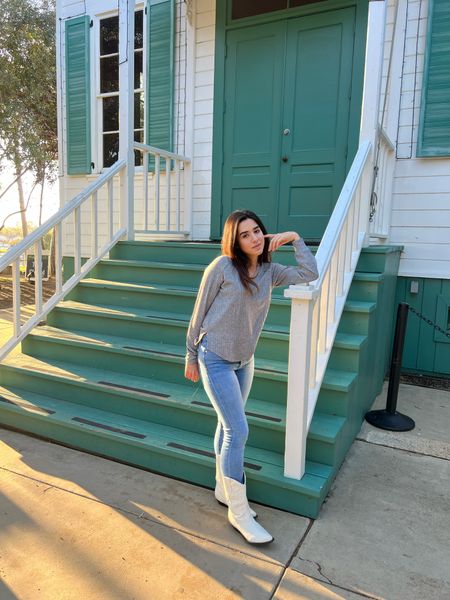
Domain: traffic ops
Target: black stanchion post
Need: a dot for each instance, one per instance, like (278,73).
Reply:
(389,418)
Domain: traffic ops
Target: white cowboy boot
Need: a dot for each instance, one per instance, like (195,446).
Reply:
(219,492)
(239,513)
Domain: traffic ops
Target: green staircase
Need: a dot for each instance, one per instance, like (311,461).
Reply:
(105,373)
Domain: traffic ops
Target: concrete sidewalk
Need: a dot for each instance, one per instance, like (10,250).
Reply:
(75,526)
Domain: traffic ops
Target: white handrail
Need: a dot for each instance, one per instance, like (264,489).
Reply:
(160,213)
(317,307)
(19,249)
(71,210)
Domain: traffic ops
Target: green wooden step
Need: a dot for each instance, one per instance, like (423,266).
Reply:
(180,301)
(172,329)
(366,286)
(139,323)
(357,316)
(160,448)
(183,406)
(160,273)
(141,358)
(176,252)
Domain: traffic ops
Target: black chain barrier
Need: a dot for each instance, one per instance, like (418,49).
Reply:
(429,321)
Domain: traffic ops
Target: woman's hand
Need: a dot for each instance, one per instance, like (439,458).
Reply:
(279,239)
(191,372)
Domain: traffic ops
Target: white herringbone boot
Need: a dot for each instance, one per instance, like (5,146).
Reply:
(219,492)
(239,513)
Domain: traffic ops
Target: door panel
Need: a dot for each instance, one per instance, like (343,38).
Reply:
(316,111)
(286,119)
(253,89)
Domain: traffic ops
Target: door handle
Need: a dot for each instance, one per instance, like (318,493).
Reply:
(284,159)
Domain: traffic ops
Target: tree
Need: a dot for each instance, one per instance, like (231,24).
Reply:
(28,132)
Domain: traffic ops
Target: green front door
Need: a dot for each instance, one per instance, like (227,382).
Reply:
(286,119)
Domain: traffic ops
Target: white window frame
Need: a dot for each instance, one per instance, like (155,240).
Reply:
(102,9)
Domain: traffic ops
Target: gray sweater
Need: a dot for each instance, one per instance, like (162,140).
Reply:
(232,316)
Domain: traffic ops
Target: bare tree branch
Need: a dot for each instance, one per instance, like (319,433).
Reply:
(17,212)
(15,181)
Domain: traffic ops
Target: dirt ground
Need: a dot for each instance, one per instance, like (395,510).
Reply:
(26,291)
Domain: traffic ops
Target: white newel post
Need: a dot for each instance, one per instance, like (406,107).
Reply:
(372,86)
(126,114)
(298,380)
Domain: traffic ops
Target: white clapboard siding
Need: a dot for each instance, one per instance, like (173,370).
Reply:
(433,269)
(420,218)
(421,235)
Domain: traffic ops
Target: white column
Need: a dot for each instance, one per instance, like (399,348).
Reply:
(126,114)
(373,71)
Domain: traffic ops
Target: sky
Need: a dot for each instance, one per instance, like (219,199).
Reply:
(10,201)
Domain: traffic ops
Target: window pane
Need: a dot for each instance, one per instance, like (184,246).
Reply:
(138,156)
(110,149)
(248,8)
(109,35)
(111,113)
(138,72)
(109,74)
(138,29)
(138,111)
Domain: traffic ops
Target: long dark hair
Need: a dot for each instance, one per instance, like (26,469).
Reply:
(231,248)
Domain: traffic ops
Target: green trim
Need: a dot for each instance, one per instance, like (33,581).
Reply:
(224,24)
(436,78)
(160,74)
(78,98)
(426,350)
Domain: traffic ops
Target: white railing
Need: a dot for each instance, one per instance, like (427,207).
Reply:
(166,209)
(381,204)
(317,307)
(69,219)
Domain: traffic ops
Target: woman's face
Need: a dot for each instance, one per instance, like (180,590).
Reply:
(250,238)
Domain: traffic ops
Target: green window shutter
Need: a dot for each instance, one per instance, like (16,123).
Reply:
(434,125)
(160,73)
(78,118)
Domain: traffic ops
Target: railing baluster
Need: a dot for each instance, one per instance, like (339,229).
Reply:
(16,296)
(145,184)
(94,224)
(58,257)
(358,211)
(351,228)
(333,285)
(348,244)
(110,209)
(324,301)
(168,173)
(340,272)
(77,240)
(178,193)
(38,277)
(157,189)
(314,339)
(356,219)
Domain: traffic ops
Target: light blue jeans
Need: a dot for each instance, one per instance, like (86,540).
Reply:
(227,385)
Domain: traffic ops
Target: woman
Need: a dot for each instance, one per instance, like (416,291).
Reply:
(229,313)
